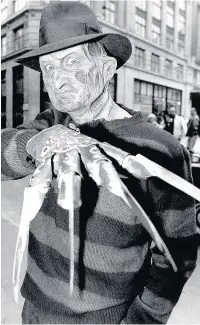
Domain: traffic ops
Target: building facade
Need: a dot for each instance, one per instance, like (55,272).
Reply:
(164,68)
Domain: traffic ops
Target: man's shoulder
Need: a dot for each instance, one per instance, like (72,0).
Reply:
(156,144)
(180,118)
(160,136)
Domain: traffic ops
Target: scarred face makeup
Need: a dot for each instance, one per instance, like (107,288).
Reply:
(73,78)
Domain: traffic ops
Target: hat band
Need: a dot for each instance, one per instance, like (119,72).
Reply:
(55,31)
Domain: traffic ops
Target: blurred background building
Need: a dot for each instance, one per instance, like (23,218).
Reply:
(164,68)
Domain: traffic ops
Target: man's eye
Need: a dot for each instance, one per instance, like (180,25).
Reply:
(48,67)
(70,62)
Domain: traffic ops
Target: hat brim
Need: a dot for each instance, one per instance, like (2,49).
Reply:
(116,45)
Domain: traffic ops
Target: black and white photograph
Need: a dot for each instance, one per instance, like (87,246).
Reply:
(100,162)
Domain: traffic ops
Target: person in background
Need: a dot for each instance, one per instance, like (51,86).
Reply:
(192,128)
(161,119)
(152,118)
(175,124)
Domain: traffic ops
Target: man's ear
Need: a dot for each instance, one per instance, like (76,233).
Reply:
(109,68)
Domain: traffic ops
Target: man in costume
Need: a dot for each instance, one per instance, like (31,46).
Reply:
(119,277)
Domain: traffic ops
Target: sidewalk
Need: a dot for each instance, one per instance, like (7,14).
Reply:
(187,311)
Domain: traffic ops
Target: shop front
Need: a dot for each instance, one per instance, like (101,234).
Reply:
(154,98)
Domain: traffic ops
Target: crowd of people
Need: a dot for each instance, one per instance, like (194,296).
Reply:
(187,132)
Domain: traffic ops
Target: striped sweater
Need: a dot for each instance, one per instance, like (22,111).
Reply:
(118,278)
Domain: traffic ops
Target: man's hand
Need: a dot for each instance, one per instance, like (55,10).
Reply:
(43,144)
(56,139)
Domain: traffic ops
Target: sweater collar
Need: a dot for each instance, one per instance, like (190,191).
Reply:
(136,117)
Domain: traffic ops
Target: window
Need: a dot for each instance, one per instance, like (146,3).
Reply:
(19,38)
(159,91)
(156,34)
(155,63)
(4,10)
(109,11)
(18,5)
(3,46)
(143,92)
(159,99)
(18,95)
(179,71)
(3,99)
(139,57)
(140,26)
(181,24)
(168,68)
(169,42)
(170,17)
(156,9)
(153,97)
(174,98)
(181,48)
(141,4)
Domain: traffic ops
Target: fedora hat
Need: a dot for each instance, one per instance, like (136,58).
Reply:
(66,24)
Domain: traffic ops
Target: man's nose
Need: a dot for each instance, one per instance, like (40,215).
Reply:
(58,79)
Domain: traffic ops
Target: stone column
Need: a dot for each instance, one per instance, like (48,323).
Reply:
(10,7)
(163,22)
(162,65)
(188,28)
(9,97)
(176,16)
(147,60)
(9,40)
(128,87)
(149,19)
(174,69)
(121,85)
(31,94)
(186,103)
(120,15)
(129,7)
(32,29)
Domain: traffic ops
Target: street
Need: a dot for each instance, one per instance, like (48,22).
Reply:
(187,311)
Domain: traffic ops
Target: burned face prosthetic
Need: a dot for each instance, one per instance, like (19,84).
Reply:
(74,77)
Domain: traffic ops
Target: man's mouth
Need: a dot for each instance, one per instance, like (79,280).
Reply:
(65,91)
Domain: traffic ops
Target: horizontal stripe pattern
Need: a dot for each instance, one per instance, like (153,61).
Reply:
(20,166)
(114,285)
(49,311)
(96,256)
(58,291)
(100,228)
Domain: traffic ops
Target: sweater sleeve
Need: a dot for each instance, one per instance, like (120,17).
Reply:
(174,217)
(15,162)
